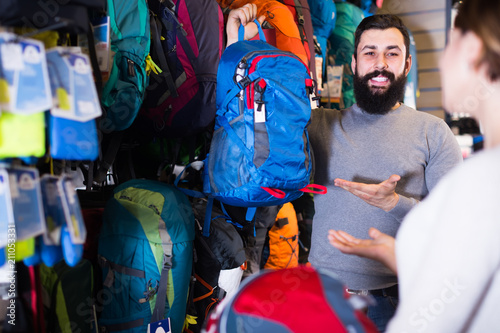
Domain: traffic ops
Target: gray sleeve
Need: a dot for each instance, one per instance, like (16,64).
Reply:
(404,205)
(444,154)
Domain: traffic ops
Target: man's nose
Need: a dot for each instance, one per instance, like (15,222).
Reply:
(381,62)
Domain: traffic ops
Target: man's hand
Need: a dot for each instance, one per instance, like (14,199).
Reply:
(380,247)
(242,16)
(381,195)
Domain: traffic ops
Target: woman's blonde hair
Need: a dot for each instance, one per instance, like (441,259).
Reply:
(482,17)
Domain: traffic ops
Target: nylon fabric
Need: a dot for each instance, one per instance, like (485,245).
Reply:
(267,302)
(123,93)
(280,148)
(133,235)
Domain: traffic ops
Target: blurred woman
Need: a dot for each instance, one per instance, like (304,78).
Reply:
(447,251)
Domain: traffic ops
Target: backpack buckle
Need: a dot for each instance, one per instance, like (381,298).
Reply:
(167,261)
(244,82)
(150,291)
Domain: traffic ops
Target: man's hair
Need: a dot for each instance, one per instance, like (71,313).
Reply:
(482,17)
(381,22)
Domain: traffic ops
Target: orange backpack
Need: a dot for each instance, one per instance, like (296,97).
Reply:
(284,240)
(281,18)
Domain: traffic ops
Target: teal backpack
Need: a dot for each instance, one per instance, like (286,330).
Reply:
(146,255)
(123,93)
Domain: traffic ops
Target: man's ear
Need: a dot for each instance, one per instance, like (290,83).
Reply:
(353,64)
(408,63)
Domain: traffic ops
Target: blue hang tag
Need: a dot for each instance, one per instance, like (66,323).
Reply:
(6,211)
(24,71)
(55,208)
(27,202)
(74,219)
(73,89)
(60,78)
(162,326)
(87,105)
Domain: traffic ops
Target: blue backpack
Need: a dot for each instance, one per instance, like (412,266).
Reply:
(259,154)
(146,254)
(323,17)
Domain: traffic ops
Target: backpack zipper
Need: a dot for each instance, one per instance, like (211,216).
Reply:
(131,69)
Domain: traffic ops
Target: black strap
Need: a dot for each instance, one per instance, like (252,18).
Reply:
(181,36)
(109,156)
(123,326)
(94,61)
(159,54)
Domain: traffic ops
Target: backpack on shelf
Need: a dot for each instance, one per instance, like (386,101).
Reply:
(146,255)
(187,43)
(259,154)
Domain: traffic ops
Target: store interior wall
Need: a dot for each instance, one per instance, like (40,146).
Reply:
(428,20)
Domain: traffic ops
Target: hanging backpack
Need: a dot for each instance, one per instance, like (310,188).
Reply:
(298,300)
(217,271)
(123,93)
(280,18)
(146,254)
(323,16)
(187,43)
(342,45)
(302,17)
(284,240)
(259,155)
(68,296)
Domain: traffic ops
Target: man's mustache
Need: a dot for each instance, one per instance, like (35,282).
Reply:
(376,73)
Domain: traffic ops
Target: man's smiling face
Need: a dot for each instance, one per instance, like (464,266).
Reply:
(381,50)
(380,68)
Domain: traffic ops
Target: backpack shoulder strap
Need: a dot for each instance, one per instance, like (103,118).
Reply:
(158,313)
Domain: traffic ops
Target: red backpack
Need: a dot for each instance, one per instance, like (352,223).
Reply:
(300,300)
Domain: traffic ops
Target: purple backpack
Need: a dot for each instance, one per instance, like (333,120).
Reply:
(186,45)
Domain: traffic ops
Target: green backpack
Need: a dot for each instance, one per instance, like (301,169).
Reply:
(146,254)
(68,297)
(123,93)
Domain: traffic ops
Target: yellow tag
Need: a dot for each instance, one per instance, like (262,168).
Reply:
(4,91)
(63,98)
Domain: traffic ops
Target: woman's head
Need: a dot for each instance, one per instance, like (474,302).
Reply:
(482,17)
(471,61)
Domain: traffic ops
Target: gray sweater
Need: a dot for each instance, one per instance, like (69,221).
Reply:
(356,146)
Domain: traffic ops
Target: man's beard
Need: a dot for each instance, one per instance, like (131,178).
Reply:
(378,101)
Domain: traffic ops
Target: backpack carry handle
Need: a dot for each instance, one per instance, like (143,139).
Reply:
(315,189)
(241,32)
(274,192)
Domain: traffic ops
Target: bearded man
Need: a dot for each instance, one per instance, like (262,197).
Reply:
(378,159)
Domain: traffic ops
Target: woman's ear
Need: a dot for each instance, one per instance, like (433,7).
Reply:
(473,47)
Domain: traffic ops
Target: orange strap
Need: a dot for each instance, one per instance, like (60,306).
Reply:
(214,302)
(209,287)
